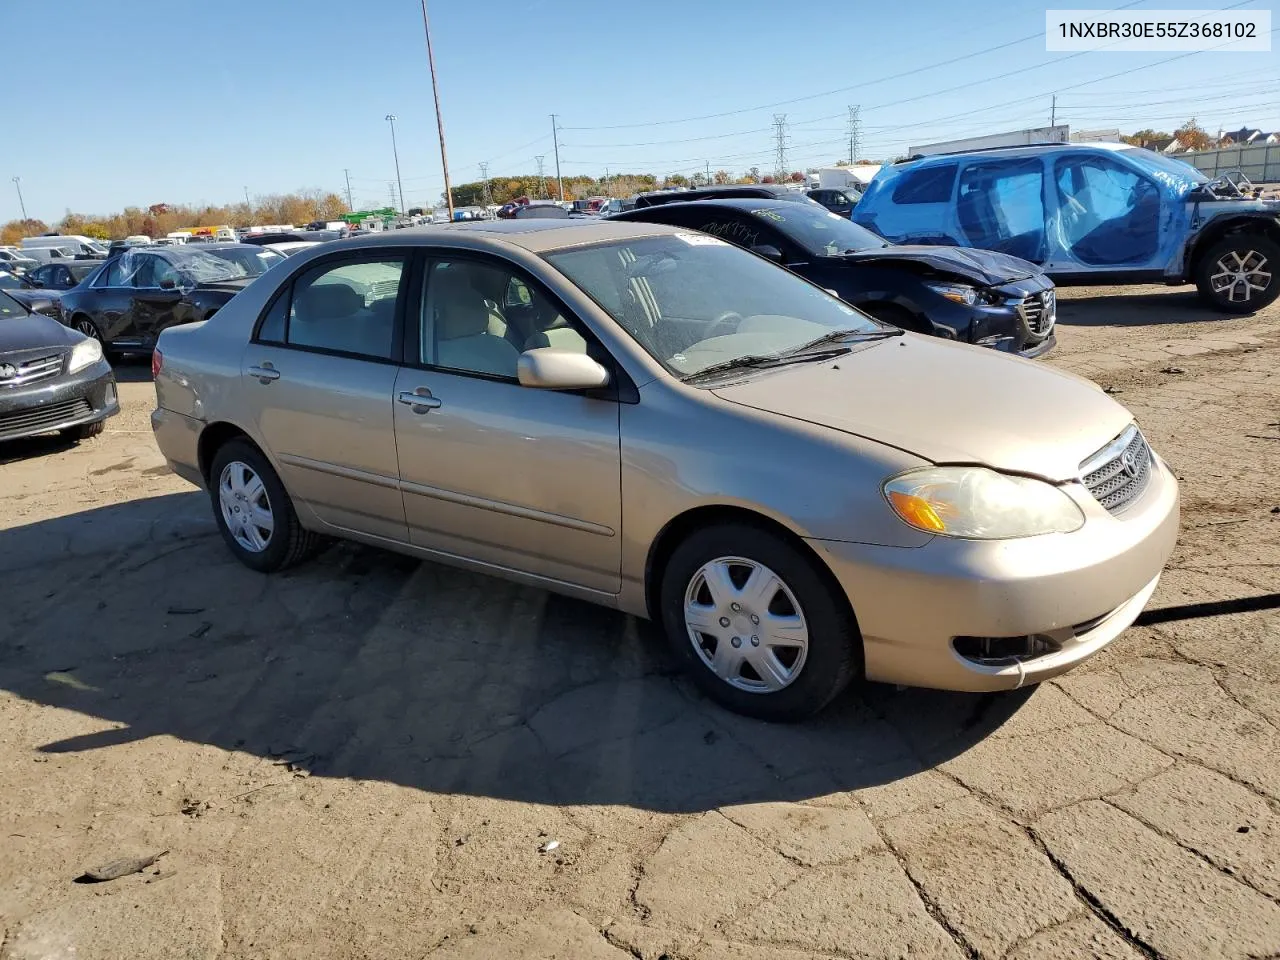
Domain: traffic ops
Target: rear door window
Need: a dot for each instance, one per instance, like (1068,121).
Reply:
(1001,207)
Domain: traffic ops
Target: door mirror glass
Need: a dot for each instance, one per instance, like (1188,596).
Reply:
(768,251)
(551,368)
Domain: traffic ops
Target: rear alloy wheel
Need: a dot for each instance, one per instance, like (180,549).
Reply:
(253,511)
(1239,273)
(760,628)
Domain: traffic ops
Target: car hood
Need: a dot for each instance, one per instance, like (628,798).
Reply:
(32,333)
(984,267)
(947,403)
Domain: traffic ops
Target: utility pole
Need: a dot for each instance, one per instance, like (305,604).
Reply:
(391,119)
(435,91)
(555,138)
(1053,112)
(17,183)
(708,163)
(780,147)
(351,207)
(854,133)
(484,175)
(542,180)
(246,200)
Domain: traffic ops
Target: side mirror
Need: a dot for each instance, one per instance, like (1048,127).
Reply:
(550,368)
(167,285)
(768,251)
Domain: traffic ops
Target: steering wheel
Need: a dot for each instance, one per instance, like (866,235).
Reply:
(728,317)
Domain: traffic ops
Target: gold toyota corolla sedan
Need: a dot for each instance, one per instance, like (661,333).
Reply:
(662,422)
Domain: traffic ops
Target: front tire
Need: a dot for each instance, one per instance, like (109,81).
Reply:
(254,513)
(1240,273)
(85,431)
(759,627)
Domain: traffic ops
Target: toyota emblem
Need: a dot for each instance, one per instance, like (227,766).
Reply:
(1129,461)
(8,371)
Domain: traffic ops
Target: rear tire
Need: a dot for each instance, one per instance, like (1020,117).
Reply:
(85,431)
(787,617)
(1230,272)
(254,513)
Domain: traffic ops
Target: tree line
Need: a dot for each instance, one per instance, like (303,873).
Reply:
(162,218)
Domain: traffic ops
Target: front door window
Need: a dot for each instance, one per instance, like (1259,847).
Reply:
(1109,215)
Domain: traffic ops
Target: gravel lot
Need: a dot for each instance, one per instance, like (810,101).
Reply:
(376,757)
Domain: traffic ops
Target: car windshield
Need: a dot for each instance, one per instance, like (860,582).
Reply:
(255,261)
(694,301)
(10,308)
(820,232)
(1158,162)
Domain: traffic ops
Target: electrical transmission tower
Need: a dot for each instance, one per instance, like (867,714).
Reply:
(542,181)
(855,134)
(484,175)
(780,147)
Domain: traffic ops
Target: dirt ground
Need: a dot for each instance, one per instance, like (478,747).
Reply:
(376,757)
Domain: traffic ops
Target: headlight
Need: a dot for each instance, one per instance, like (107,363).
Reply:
(84,354)
(975,503)
(956,292)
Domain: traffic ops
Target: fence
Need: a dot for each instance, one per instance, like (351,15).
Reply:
(1260,163)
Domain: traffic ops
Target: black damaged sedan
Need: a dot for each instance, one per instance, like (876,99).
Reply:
(974,296)
(51,377)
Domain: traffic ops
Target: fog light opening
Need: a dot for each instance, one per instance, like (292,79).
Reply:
(1003,651)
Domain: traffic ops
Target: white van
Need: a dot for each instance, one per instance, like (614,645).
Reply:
(45,254)
(76,244)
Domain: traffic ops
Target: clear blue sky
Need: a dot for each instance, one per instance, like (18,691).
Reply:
(172,101)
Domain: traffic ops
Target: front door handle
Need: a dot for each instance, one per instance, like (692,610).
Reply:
(421,400)
(265,373)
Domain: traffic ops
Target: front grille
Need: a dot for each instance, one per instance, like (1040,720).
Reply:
(42,418)
(29,371)
(1039,311)
(1118,473)
(381,290)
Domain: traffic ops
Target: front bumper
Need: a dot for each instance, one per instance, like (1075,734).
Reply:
(55,404)
(1083,589)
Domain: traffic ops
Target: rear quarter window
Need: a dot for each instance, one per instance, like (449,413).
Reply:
(932,184)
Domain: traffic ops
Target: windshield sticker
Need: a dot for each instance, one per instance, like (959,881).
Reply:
(770,215)
(700,240)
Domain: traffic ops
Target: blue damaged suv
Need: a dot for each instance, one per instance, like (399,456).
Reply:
(1089,213)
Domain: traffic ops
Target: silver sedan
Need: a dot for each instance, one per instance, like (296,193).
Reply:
(658,421)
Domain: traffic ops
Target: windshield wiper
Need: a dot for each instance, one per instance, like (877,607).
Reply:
(757,361)
(835,336)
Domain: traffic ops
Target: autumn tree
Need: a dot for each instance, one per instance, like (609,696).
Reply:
(722,177)
(1193,136)
(13,231)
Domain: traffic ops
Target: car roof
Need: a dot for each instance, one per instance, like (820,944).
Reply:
(1100,147)
(535,235)
(747,204)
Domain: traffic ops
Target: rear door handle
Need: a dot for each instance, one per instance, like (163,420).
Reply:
(266,373)
(421,402)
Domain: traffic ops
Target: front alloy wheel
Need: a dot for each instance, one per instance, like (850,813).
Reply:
(88,328)
(1238,274)
(246,508)
(746,625)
